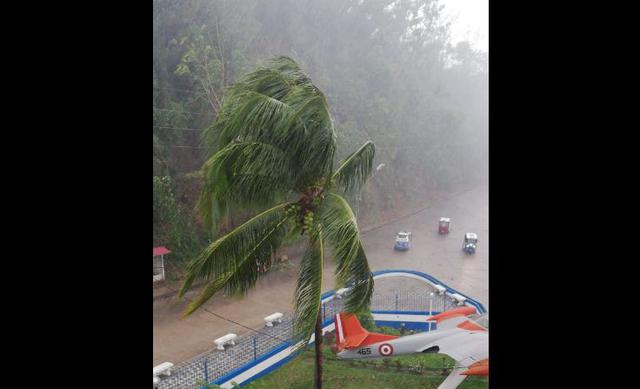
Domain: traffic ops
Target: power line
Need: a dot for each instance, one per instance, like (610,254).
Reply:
(180,146)
(395,220)
(405,216)
(178,128)
(176,89)
(177,110)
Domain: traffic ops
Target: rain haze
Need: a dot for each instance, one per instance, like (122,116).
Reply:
(404,91)
(469,21)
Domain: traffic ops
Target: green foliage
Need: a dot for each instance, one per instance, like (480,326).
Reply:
(231,262)
(206,385)
(274,140)
(271,119)
(352,268)
(356,169)
(309,288)
(389,331)
(242,176)
(173,225)
(366,319)
(389,72)
(202,65)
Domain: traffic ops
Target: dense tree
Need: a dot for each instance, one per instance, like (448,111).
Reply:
(173,223)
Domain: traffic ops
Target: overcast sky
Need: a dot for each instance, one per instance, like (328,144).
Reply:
(469,21)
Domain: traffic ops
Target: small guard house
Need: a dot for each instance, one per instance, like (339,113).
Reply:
(158,262)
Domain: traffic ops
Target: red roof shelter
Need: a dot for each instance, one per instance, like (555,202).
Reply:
(160,251)
(158,262)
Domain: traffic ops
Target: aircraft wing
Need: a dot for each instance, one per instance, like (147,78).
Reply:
(466,342)
(470,349)
(466,347)
(453,380)
(453,317)
(449,322)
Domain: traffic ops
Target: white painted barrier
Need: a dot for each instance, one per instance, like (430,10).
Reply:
(341,292)
(276,317)
(441,289)
(163,368)
(224,340)
(459,298)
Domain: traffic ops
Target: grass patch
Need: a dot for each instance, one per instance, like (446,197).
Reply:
(411,371)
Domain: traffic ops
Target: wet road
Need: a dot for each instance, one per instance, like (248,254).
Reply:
(177,339)
(440,255)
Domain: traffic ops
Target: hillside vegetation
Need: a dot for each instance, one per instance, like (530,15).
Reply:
(389,72)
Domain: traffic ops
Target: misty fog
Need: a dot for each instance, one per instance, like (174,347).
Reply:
(390,72)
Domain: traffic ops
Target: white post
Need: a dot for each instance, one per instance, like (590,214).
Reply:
(162,259)
(430,307)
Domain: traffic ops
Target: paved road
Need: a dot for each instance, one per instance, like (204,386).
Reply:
(440,255)
(177,339)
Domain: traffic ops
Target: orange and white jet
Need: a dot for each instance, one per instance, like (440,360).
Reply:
(456,335)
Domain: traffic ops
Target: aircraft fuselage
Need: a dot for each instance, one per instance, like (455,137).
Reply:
(410,344)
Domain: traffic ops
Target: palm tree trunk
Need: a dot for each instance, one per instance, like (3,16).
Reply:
(318,342)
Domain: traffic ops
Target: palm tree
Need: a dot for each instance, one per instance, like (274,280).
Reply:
(275,143)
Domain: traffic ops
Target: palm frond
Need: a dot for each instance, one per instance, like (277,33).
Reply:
(267,87)
(352,269)
(279,105)
(255,116)
(231,261)
(309,288)
(311,117)
(244,175)
(356,169)
(360,280)
(341,231)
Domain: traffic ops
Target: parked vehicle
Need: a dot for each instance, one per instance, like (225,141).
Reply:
(403,241)
(470,242)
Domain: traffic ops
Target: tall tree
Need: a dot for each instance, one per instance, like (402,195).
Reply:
(274,144)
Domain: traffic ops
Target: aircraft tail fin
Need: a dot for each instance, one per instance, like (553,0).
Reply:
(350,334)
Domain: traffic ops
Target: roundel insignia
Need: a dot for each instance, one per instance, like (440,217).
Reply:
(385,349)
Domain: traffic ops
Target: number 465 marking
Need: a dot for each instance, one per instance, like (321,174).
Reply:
(364,351)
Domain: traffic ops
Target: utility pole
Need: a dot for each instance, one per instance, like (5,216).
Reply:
(430,307)
(358,196)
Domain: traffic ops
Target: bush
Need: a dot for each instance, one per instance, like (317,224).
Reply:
(173,225)
(366,320)
(205,385)
(389,331)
